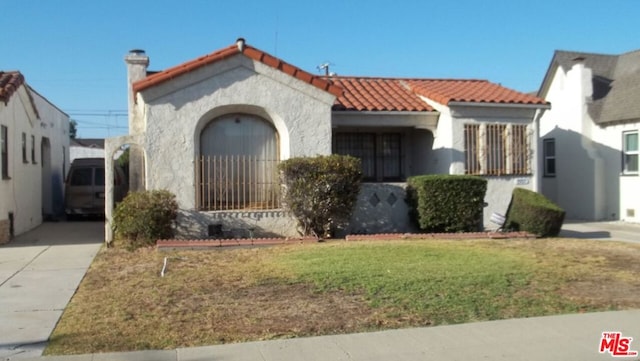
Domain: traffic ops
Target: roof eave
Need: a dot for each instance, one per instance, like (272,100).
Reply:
(176,71)
(548,77)
(230,51)
(386,112)
(499,105)
(606,123)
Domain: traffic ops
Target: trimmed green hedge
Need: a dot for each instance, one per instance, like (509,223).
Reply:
(144,217)
(534,213)
(321,191)
(446,203)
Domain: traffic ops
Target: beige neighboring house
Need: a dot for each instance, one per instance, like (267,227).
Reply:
(34,147)
(589,139)
(212,130)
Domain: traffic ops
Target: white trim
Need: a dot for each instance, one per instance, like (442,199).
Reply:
(421,120)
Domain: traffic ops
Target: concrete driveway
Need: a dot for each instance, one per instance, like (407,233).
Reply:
(39,273)
(613,230)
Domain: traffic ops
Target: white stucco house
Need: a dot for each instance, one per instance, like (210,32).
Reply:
(86,148)
(589,139)
(34,145)
(211,130)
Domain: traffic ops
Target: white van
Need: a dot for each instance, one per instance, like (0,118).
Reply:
(84,187)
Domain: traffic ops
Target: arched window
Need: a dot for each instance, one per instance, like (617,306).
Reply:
(237,166)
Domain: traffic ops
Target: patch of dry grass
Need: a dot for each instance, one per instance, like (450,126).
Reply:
(221,296)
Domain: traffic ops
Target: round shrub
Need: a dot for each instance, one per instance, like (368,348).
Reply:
(144,217)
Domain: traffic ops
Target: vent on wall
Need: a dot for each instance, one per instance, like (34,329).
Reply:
(215,230)
(631,213)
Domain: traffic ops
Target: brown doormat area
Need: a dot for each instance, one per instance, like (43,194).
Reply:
(165,244)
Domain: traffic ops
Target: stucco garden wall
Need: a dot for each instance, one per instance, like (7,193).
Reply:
(498,196)
(236,224)
(381,208)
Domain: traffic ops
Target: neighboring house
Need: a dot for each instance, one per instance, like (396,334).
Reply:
(213,129)
(34,145)
(86,148)
(590,136)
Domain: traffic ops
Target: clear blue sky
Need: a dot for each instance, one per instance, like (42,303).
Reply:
(72,51)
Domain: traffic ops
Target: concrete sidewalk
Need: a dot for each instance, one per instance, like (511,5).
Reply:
(39,273)
(569,337)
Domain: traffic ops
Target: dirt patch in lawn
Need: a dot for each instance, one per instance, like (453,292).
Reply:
(270,311)
(604,275)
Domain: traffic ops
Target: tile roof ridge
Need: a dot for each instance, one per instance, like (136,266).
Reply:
(290,69)
(184,67)
(10,83)
(236,49)
(368,77)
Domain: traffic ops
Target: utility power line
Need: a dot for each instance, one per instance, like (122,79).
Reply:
(99,120)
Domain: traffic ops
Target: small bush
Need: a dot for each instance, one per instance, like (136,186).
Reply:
(321,192)
(446,203)
(534,213)
(144,217)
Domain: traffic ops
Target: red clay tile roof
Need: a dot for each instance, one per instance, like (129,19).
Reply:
(230,51)
(377,94)
(445,91)
(364,93)
(399,94)
(9,82)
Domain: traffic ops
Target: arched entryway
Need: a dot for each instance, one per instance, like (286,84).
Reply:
(237,164)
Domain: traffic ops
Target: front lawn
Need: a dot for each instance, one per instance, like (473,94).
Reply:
(234,295)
